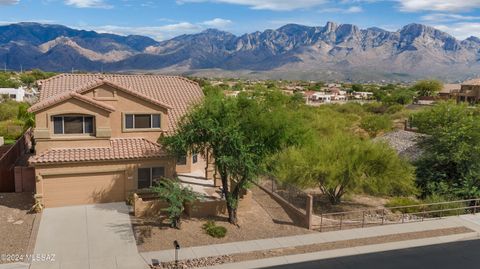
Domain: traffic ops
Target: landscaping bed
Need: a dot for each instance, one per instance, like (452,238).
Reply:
(253,255)
(265,218)
(16,224)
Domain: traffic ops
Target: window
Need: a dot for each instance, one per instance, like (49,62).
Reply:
(73,125)
(195,158)
(182,160)
(142,121)
(148,176)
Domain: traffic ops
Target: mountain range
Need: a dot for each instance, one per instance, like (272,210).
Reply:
(330,52)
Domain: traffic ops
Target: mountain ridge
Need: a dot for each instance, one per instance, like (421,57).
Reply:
(333,51)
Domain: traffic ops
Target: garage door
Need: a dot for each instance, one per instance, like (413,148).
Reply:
(66,190)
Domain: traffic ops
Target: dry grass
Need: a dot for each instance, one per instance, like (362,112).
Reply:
(265,219)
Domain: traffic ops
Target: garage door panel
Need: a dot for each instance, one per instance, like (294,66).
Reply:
(65,190)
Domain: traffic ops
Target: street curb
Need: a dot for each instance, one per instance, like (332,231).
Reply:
(292,259)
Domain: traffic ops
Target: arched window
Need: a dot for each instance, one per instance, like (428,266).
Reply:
(73,124)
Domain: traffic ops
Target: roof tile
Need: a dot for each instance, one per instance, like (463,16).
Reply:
(119,149)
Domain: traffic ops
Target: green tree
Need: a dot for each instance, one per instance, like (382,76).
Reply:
(27,79)
(25,116)
(450,163)
(239,133)
(357,87)
(340,164)
(176,196)
(428,87)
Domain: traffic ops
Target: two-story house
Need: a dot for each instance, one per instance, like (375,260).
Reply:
(96,135)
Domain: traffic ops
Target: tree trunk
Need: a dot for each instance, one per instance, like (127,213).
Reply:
(232,214)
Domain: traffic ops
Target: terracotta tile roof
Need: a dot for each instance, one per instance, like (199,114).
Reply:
(67,95)
(176,93)
(473,82)
(119,149)
(448,88)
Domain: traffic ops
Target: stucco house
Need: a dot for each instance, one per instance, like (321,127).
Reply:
(470,91)
(96,135)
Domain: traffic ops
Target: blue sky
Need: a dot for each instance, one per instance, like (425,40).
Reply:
(163,19)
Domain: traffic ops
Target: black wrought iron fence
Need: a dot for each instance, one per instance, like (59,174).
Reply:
(291,194)
(393,215)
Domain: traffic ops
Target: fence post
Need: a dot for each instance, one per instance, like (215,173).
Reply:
(363,219)
(475,208)
(341,221)
(403,217)
(383,216)
(321,221)
(309,211)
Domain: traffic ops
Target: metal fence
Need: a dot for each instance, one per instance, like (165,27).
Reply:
(291,194)
(393,215)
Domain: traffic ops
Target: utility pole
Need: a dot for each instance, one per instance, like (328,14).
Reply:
(5,67)
(21,69)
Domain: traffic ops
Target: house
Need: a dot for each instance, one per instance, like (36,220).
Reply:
(469,91)
(17,94)
(322,97)
(449,91)
(363,95)
(96,135)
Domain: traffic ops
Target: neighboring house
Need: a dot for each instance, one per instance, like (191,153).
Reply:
(17,94)
(449,91)
(470,91)
(363,95)
(96,135)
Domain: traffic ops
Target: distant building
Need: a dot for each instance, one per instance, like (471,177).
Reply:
(15,94)
(363,95)
(449,91)
(469,91)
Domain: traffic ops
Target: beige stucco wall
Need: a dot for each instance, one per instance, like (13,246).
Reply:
(107,125)
(129,168)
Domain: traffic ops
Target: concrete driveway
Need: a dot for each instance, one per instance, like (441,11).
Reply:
(87,237)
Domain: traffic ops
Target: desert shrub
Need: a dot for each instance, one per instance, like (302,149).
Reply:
(214,230)
(176,196)
(374,124)
(394,109)
(8,110)
(375,107)
(11,129)
(450,207)
(403,201)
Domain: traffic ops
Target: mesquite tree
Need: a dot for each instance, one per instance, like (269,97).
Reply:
(239,133)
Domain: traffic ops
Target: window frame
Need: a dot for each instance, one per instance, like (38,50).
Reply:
(133,115)
(83,133)
(150,169)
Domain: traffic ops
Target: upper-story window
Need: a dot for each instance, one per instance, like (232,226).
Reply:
(142,121)
(73,124)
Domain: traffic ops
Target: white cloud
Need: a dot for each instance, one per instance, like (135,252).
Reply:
(352,9)
(278,5)
(438,5)
(461,30)
(9,2)
(88,4)
(446,17)
(161,32)
(218,23)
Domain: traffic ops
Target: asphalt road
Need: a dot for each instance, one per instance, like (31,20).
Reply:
(458,255)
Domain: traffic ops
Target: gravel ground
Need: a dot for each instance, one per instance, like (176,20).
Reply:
(314,248)
(404,142)
(15,223)
(265,219)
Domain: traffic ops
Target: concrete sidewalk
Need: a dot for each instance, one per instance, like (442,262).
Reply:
(471,221)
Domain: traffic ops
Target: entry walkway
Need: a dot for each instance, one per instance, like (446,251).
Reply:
(472,222)
(89,236)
